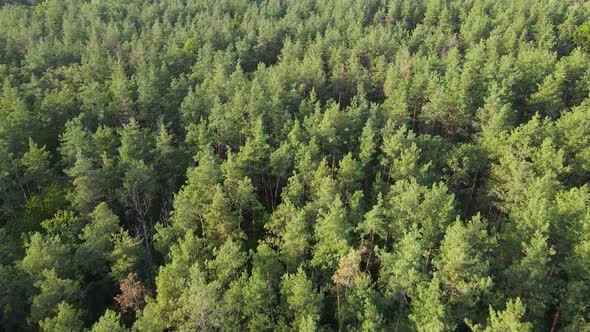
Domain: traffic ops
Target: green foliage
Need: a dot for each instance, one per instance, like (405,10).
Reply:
(582,36)
(109,322)
(64,224)
(52,291)
(67,318)
(508,320)
(304,303)
(97,240)
(148,319)
(402,269)
(46,252)
(192,201)
(332,236)
(429,312)
(363,165)
(197,309)
(14,293)
(463,264)
(401,156)
(126,255)
(37,166)
(227,263)
(17,124)
(84,194)
(261,300)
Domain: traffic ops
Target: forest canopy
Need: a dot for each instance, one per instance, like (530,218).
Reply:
(294,165)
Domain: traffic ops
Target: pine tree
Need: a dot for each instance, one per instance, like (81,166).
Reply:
(261,301)
(530,276)
(37,165)
(109,322)
(74,140)
(303,301)
(288,230)
(349,175)
(68,318)
(18,123)
(192,201)
(402,270)
(508,320)
(52,291)
(331,234)
(46,252)
(85,194)
(373,228)
(463,265)
(197,309)
(133,143)
(429,312)
(121,89)
(97,243)
(221,222)
(401,156)
(229,261)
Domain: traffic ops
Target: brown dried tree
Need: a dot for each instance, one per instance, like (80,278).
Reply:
(132,296)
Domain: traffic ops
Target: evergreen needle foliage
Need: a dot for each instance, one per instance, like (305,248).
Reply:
(294,165)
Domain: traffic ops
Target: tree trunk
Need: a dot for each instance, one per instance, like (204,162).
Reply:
(338,308)
(370,251)
(555,319)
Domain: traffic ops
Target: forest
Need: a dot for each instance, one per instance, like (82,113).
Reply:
(295,165)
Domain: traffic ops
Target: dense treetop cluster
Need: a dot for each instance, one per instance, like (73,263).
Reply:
(295,165)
